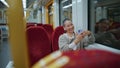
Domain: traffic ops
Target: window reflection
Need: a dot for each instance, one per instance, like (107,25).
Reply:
(107,22)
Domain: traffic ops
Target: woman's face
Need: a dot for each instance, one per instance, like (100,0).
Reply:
(69,27)
(104,26)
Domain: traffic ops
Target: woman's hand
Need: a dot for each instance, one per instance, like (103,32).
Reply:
(86,33)
(79,37)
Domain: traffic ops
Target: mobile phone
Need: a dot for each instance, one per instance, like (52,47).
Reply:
(80,31)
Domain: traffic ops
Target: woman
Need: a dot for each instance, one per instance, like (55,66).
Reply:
(73,41)
(105,36)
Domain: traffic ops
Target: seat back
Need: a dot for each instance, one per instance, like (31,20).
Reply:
(38,43)
(40,24)
(30,24)
(82,59)
(55,37)
(49,29)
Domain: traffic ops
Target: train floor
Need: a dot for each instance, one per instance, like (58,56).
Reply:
(5,55)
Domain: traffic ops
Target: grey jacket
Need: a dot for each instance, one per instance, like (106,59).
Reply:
(64,42)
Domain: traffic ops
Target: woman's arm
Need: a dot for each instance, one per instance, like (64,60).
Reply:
(63,43)
(91,39)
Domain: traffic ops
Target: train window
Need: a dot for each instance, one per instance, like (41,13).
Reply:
(105,21)
(0,14)
(2,17)
(50,14)
(65,9)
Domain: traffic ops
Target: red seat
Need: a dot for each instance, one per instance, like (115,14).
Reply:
(30,24)
(81,59)
(114,25)
(49,29)
(38,43)
(40,24)
(92,59)
(55,36)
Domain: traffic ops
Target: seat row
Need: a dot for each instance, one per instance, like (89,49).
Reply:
(42,40)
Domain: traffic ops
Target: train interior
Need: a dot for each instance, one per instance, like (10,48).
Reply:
(20,21)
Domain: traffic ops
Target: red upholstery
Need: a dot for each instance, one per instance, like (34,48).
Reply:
(81,59)
(40,24)
(49,29)
(114,25)
(92,59)
(38,43)
(30,24)
(55,36)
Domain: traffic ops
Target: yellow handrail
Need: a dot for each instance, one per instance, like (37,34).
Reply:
(17,34)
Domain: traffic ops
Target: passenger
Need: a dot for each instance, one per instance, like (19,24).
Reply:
(74,41)
(103,25)
(105,37)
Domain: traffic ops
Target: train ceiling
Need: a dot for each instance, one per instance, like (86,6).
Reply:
(29,3)
(41,2)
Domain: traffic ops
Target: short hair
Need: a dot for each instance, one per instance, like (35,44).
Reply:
(66,19)
(103,20)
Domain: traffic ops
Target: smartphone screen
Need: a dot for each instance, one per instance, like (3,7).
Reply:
(80,31)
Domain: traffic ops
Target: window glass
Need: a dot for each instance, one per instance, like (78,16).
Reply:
(65,9)
(50,14)
(106,18)
(0,15)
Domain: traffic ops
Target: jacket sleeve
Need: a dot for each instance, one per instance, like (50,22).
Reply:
(91,39)
(63,43)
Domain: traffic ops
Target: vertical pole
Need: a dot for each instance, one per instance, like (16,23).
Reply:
(16,24)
